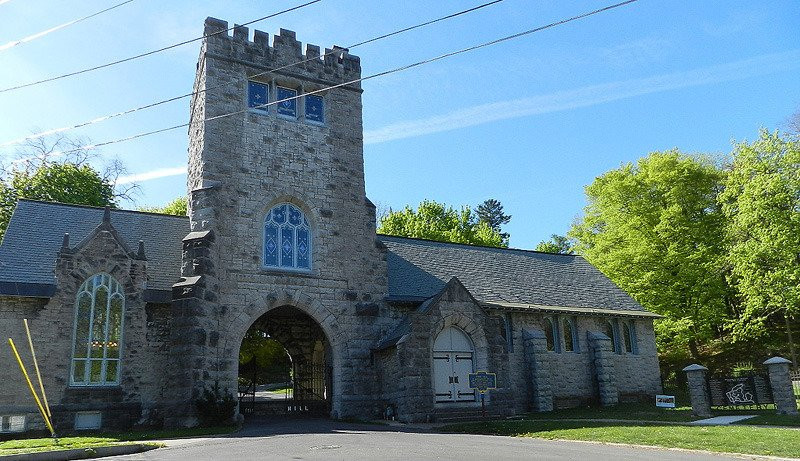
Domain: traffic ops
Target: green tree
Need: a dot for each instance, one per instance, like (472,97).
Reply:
(762,202)
(177,207)
(557,244)
(491,212)
(656,230)
(58,170)
(436,221)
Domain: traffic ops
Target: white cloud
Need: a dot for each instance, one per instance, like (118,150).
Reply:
(584,97)
(153,174)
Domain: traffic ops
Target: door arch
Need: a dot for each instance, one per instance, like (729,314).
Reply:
(453,357)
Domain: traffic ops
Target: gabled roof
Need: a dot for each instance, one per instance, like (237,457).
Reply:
(36,230)
(419,269)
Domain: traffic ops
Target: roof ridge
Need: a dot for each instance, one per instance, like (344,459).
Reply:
(92,207)
(486,247)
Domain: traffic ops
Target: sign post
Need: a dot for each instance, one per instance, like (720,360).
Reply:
(482,382)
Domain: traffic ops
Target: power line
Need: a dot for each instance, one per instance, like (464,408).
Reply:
(177,98)
(148,53)
(379,74)
(29,38)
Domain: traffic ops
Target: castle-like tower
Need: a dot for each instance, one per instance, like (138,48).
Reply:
(279,217)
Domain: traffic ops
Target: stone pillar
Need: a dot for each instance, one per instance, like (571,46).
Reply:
(698,390)
(537,360)
(781,383)
(603,359)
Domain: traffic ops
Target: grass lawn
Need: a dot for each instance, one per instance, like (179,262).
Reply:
(94,440)
(729,439)
(640,412)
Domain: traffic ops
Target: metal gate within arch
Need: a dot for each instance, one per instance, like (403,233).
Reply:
(452,363)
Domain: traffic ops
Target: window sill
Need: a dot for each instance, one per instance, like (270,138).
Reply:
(297,272)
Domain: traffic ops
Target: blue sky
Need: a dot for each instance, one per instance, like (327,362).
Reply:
(529,122)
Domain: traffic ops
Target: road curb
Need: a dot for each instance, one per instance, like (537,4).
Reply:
(81,453)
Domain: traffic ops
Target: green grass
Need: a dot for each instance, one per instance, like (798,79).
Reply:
(726,439)
(94,440)
(629,412)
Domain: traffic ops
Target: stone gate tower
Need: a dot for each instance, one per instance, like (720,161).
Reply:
(279,217)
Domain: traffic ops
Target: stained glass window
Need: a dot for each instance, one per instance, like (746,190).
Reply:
(611,332)
(549,333)
(257,96)
(287,238)
(629,336)
(287,107)
(99,311)
(570,338)
(315,109)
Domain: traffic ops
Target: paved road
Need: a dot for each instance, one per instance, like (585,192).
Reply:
(324,439)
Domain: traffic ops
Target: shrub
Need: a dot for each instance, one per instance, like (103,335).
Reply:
(215,407)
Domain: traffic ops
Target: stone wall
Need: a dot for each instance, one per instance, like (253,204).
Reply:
(52,323)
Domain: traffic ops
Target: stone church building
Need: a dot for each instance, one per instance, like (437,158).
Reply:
(134,314)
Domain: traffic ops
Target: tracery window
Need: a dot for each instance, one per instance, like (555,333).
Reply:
(549,333)
(287,102)
(570,336)
(287,238)
(99,311)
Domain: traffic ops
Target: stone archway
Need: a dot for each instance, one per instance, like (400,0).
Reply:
(310,376)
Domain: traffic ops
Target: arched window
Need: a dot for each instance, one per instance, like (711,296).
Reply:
(549,333)
(287,238)
(570,338)
(611,332)
(99,310)
(629,336)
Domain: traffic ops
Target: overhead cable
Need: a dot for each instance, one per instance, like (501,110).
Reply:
(183,96)
(148,53)
(29,38)
(369,77)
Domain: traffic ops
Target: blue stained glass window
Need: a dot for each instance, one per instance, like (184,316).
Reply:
(257,95)
(289,107)
(287,238)
(271,244)
(302,248)
(315,108)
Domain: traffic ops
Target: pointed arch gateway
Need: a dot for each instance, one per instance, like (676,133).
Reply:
(453,355)
(285,365)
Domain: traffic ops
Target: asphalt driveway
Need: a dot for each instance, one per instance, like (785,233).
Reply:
(288,439)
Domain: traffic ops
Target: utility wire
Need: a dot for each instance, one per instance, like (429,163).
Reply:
(194,93)
(148,53)
(29,38)
(379,74)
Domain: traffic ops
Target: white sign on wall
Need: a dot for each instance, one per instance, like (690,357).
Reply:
(665,401)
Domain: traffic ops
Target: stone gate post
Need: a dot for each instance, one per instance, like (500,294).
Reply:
(536,359)
(604,368)
(698,390)
(781,383)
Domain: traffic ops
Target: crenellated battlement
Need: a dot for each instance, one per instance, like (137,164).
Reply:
(334,64)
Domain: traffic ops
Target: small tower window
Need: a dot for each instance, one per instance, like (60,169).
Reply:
(257,96)
(287,102)
(315,109)
(287,238)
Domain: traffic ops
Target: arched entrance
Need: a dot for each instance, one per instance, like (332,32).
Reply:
(293,380)
(452,363)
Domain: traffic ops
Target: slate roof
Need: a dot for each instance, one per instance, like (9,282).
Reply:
(36,230)
(419,269)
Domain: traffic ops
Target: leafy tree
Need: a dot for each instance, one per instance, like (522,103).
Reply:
(436,221)
(762,201)
(491,212)
(177,207)
(656,230)
(557,244)
(58,170)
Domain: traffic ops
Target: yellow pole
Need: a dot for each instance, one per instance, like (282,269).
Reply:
(30,386)
(36,366)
